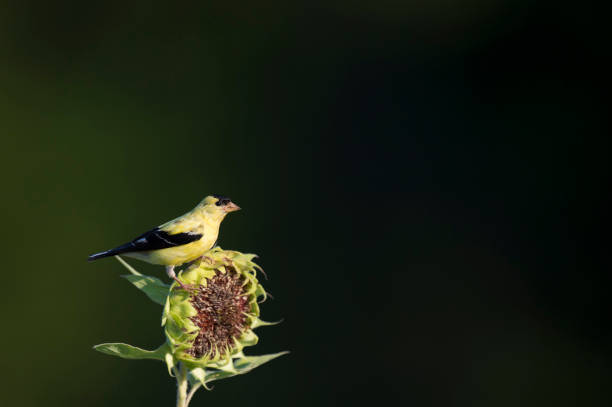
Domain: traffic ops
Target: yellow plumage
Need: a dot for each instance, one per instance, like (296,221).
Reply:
(181,240)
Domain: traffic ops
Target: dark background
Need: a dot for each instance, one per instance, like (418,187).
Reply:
(424,183)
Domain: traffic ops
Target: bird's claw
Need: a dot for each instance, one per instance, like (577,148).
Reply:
(186,287)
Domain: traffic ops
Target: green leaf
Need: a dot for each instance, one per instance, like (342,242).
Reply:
(127,266)
(248,363)
(240,366)
(153,287)
(212,375)
(125,351)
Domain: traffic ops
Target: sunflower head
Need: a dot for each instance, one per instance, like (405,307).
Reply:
(214,320)
(208,325)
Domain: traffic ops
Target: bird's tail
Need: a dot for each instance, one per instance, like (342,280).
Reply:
(102,255)
(124,248)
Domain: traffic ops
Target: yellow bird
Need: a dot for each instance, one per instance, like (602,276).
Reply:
(181,240)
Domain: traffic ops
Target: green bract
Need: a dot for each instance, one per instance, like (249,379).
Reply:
(207,326)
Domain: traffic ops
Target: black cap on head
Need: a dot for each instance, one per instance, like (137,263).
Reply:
(222,200)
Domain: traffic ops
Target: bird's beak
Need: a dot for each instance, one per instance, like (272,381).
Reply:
(231,207)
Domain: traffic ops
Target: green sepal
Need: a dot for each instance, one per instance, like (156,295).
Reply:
(248,338)
(198,375)
(260,292)
(185,310)
(258,323)
(175,332)
(169,359)
(197,275)
(153,287)
(255,308)
(164,317)
(125,351)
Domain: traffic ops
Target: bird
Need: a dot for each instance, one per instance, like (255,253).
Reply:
(180,240)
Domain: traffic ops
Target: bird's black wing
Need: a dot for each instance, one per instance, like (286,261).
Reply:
(158,239)
(154,239)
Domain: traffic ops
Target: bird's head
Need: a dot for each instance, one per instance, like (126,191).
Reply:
(218,206)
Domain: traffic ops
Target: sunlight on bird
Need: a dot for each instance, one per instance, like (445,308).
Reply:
(181,240)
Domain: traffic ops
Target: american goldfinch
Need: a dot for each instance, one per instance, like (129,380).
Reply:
(181,240)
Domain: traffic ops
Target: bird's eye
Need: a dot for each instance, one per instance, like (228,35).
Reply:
(223,201)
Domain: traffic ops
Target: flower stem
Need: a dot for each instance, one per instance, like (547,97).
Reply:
(181,385)
(192,391)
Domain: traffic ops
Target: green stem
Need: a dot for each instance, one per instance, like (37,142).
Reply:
(192,391)
(181,385)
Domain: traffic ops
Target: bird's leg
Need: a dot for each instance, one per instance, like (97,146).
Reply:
(172,275)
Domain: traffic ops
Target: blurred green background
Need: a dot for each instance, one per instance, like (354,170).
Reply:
(424,183)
